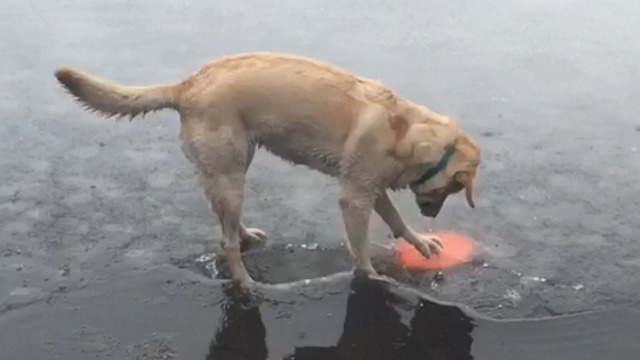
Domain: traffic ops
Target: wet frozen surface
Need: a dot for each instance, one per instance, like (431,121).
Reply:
(332,318)
(105,238)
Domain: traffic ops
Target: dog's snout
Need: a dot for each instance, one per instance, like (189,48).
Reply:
(424,205)
(429,205)
(429,208)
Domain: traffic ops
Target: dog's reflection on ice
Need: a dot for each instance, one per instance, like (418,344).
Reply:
(373,328)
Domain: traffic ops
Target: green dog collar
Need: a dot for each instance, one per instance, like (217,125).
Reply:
(431,172)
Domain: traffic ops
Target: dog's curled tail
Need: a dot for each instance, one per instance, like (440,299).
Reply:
(112,99)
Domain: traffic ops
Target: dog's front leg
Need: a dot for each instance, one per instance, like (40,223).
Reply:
(356,211)
(427,245)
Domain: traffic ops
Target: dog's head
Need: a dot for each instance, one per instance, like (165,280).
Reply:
(446,160)
(455,170)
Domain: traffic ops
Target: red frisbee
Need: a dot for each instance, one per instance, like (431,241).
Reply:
(456,249)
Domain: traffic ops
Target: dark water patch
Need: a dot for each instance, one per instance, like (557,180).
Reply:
(167,313)
(365,319)
(492,290)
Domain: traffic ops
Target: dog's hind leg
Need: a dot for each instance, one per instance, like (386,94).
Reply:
(225,195)
(251,237)
(221,157)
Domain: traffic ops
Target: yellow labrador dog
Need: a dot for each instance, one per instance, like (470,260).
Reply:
(307,112)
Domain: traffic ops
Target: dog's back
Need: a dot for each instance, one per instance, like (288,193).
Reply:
(301,109)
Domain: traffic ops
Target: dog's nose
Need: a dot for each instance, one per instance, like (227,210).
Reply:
(430,208)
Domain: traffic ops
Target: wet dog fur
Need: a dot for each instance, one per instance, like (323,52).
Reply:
(306,112)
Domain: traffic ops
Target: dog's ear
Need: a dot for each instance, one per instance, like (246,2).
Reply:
(465,178)
(465,163)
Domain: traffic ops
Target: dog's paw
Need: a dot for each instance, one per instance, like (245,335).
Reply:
(371,275)
(365,272)
(382,278)
(427,245)
(243,283)
(252,238)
